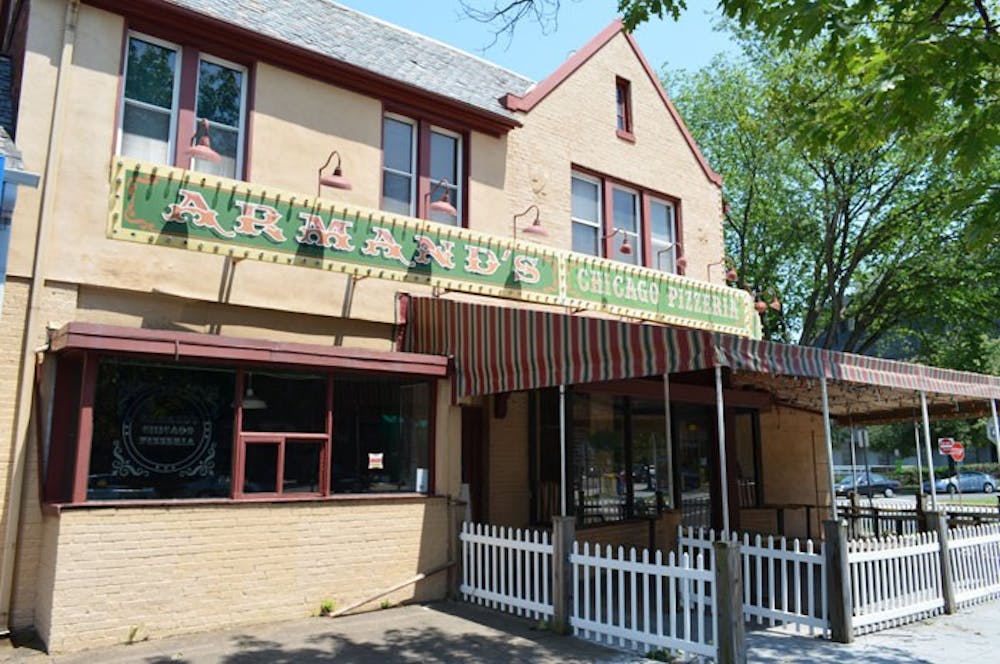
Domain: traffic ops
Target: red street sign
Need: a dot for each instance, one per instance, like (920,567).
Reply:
(957,451)
(945,445)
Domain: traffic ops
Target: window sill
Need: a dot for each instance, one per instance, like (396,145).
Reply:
(57,508)
(625,135)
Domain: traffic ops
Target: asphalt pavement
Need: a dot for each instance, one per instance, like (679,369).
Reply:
(458,632)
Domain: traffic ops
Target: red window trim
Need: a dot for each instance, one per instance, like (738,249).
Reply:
(191,52)
(424,122)
(646,194)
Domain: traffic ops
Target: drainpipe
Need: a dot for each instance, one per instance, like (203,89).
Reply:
(32,324)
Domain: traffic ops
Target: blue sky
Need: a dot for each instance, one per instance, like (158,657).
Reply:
(688,44)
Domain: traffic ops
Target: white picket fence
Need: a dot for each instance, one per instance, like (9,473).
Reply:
(894,580)
(645,605)
(783,582)
(974,552)
(507,569)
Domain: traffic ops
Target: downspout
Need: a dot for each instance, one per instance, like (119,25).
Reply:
(32,326)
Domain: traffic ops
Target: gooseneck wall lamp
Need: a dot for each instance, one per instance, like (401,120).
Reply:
(336,179)
(731,274)
(201,144)
(535,228)
(625,249)
(443,204)
(680,263)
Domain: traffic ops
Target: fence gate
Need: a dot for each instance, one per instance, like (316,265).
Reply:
(507,569)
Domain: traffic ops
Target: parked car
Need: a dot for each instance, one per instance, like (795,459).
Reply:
(967,482)
(866,484)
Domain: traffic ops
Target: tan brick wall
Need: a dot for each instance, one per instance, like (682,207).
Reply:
(508,463)
(174,570)
(575,124)
(793,458)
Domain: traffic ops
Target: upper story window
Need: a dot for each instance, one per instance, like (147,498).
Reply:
(623,108)
(174,95)
(421,164)
(624,223)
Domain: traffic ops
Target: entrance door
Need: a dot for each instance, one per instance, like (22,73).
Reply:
(474,460)
(695,461)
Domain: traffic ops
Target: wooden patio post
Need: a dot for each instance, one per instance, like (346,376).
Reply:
(838,582)
(937,522)
(730,630)
(563,534)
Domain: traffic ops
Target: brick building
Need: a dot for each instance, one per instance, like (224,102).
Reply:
(297,284)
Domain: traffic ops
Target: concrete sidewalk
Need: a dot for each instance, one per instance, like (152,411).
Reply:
(458,632)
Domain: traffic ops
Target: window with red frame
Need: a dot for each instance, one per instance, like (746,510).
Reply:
(623,107)
(421,164)
(137,429)
(173,96)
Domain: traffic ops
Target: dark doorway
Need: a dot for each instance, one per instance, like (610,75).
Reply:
(475,460)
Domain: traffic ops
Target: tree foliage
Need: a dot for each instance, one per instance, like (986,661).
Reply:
(913,66)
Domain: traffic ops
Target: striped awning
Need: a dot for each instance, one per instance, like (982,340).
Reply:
(499,349)
(502,349)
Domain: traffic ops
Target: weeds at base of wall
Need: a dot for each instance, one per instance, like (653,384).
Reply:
(326,607)
(386,604)
(136,635)
(662,655)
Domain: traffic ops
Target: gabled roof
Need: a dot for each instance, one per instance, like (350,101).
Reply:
(526,102)
(347,35)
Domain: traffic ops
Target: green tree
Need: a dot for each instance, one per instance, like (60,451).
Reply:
(920,70)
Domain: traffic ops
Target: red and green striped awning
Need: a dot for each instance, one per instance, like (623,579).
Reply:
(498,349)
(502,349)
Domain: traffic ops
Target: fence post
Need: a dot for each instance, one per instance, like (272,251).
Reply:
(730,631)
(563,534)
(937,522)
(838,581)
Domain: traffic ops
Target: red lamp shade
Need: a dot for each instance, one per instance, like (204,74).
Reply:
(442,205)
(731,275)
(760,306)
(775,304)
(682,263)
(336,179)
(536,228)
(626,248)
(201,146)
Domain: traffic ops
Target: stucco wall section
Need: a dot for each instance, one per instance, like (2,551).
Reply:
(173,570)
(575,125)
(793,458)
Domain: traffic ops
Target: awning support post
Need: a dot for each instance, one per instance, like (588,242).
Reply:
(829,446)
(670,442)
(562,450)
(723,475)
(996,425)
(927,449)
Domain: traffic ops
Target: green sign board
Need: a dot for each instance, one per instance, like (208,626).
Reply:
(171,207)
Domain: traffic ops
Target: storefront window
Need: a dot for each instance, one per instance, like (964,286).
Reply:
(287,402)
(161,431)
(381,435)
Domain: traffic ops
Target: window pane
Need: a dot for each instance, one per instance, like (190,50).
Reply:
(601,486)
(225,142)
(397,193)
(284,402)
(380,435)
(662,221)
(146,134)
(301,467)
(397,145)
(693,436)
(219,92)
(620,103)
(150,73)
(261,470)
(586,200)
(161,432)
(625,211)
(444,158)
(585,239)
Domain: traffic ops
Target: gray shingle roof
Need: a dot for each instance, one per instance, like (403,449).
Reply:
(347,35)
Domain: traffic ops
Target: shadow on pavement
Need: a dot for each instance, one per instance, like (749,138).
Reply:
(768,647)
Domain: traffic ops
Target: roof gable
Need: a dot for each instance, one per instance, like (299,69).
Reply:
(535,95)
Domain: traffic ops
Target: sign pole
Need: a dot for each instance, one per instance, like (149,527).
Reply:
(829,446)
(927,448)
